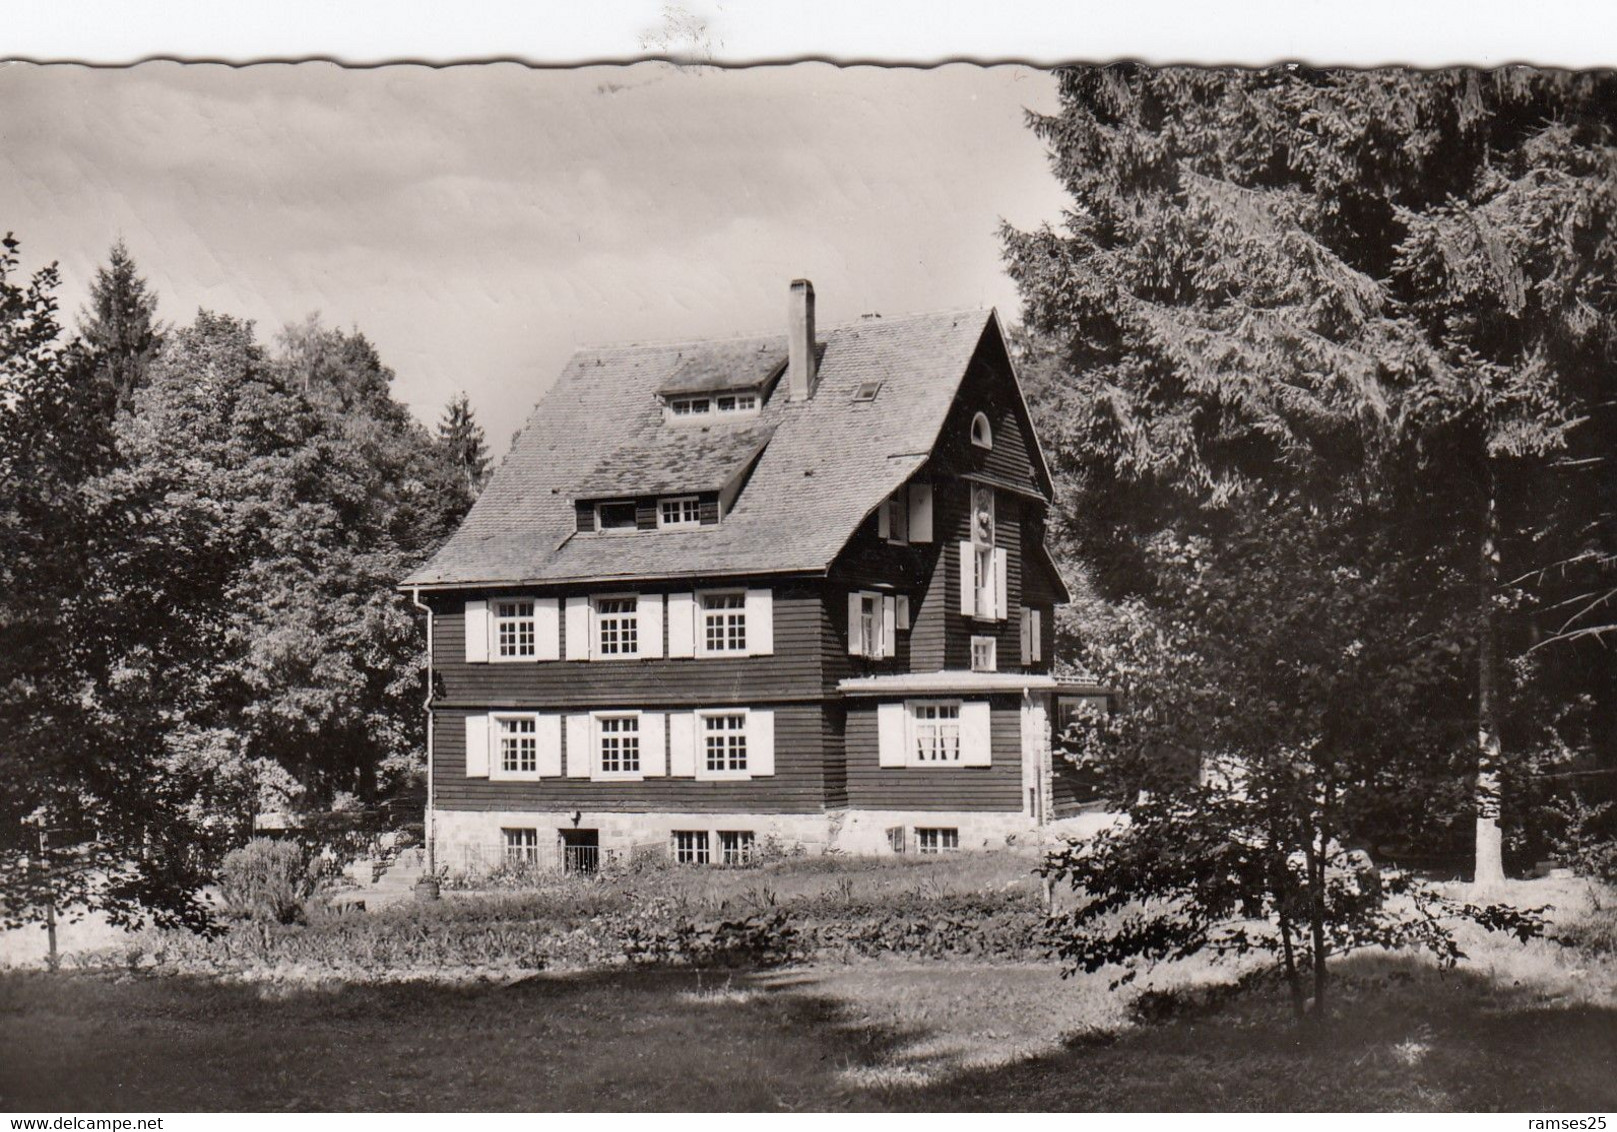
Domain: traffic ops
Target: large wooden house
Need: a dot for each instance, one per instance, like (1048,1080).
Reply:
(791,588)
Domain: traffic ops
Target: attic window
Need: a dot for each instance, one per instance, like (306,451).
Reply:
(615,516)
(722,404)
(981,434)
(867,391)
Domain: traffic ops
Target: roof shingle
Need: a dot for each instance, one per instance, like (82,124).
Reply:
(826,462)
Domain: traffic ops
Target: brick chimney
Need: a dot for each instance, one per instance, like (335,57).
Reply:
(801,368)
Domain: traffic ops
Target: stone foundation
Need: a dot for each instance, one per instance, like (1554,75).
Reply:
(472,842)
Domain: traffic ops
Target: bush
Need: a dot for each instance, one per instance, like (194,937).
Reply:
(1595,932)
(266,882)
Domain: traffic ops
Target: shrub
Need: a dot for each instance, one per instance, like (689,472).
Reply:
(266,882)
(1595,932)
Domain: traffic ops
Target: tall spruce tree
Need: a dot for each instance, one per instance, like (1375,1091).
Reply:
(1385,287)
(119,324)
(463,440)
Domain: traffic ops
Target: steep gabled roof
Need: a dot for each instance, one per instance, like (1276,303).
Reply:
(826,464)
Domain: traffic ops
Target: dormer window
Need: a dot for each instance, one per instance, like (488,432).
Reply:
(615,516)
(683,511)
(706,408)
(982,434)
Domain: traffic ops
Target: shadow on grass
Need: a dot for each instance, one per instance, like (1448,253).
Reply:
(1401,1037)
(602,1041)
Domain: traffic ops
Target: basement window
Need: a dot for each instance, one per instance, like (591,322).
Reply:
(937,840)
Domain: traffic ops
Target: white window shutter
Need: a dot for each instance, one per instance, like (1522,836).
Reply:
(968,579)
(976,746)
(1036,634)
(884,519)
(649,608)
(653,744)
(761,743)
(920,512)
(760,623)
(580,746)
(477,633)
(682,745)
(477,744)
(548,735)
(854,643)
(681,625)
(578,628)
(904,612)
(891,745)
(1025,629)
(1002,589)
(889,626)
(547,628)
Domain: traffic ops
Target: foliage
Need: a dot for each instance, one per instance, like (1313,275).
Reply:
(1286,306)
(83,751)
(1251,866)
(464,443)
(266,881)
(118,326)
(1586,841)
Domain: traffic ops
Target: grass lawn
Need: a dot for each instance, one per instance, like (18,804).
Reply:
(1518,1027)
(879,1035)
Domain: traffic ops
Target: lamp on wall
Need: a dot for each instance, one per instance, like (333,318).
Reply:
(577,816)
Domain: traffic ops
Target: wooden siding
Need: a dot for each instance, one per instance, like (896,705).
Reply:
(793,671)
(996,787)
(797,786)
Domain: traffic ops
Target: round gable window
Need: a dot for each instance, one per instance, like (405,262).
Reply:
(981,435)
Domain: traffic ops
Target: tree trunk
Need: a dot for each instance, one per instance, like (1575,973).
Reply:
(1299,1000)
(1489,870)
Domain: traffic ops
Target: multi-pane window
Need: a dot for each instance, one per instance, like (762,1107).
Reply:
(620,744)
(690,846)
(735,846)
(937,840)
(513,628)
(617,621)
(725,742)
(682,512)
(521,846)
(519,746)
(701,406)
(937,732)
(724,622)
(984,654)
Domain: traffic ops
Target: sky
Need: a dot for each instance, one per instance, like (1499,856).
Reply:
(479,223)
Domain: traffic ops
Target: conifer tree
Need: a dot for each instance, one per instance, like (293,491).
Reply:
(119,324)
(465,443)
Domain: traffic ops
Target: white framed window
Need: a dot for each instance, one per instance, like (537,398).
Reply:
(937,840)
(518,744)
(690,847)
(521,846)
(617,626)
(735,846)
(984,574)
(984,654)
(696,408)
(724,743)
(724,623)
(622,515)
(515,633)
(982,433)
(873,622)
(934,732)
(618,744)
(682,511)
